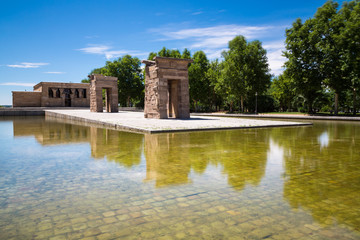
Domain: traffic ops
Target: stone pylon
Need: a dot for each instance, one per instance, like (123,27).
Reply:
(167,88)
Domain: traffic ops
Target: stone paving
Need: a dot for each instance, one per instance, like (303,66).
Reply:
(135,121)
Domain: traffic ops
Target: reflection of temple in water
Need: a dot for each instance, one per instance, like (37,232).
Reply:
(166,161)
(121,147)
(50,132)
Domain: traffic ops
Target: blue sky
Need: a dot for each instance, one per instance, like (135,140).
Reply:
(62,41)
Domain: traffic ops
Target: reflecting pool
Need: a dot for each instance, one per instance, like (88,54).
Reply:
(66,181)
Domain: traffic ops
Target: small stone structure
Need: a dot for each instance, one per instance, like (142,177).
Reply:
(167,88)
(53,94)
(99,82)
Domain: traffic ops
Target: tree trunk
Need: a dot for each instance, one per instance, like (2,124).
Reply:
(195,105)
(231,103)
(354,101)
(336,110)
(242,103)
(310,110)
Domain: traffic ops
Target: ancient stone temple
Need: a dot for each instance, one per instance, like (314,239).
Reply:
(167,88)
(53,94)
(99,82)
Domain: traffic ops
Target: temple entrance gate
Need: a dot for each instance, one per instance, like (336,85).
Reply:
(167,88)
(67,92)
(99,82)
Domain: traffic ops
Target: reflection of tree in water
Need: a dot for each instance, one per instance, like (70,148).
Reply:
(170,157)
(243,155)
(123,148)
(323,178)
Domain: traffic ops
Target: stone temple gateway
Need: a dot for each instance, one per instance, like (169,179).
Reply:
(167,88)
(99,82)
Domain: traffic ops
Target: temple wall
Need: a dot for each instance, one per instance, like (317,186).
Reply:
(26,99)
(53,94)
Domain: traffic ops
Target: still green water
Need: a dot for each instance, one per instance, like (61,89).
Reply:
(65,181)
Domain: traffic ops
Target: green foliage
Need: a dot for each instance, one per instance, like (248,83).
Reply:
(186,54)
(282,90)
(245,70)
(324,52)
(303,56)
(198,80)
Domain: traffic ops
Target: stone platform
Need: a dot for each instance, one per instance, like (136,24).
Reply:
(135,121)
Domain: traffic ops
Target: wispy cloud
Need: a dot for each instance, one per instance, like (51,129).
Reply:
(213,40)
(275,55)
(108,52)
(197,13)
(55,72)
(27,65)
(221,31)
(91,36)
(18,84)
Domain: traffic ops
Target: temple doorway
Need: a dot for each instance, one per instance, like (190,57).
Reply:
(173,91)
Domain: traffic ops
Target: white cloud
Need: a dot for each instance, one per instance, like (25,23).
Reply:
(27,65)
(18,84)
(274,53)
(55,72)
(232,30)
(214,40)
(108,52)
(276,61)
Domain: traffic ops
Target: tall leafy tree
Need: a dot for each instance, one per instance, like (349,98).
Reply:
(350,38)
(246,70)
(327,26)
(198,81)
(214,75)
(303,57)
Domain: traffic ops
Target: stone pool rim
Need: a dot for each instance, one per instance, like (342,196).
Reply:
(75,115)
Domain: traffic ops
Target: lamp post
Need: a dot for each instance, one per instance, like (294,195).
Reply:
(256,94)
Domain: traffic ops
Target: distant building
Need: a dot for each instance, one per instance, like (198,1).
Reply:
(54,94)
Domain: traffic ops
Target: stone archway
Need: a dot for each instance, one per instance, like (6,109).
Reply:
(99,82)
(167,88)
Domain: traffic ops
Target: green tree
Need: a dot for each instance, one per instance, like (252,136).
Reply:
(186,54)
(152,55)
(130,78)
(213,75)
(327,26)
(302,65)
(198,81)
(245,71)
(350,38)
(282,89)
(324,51)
